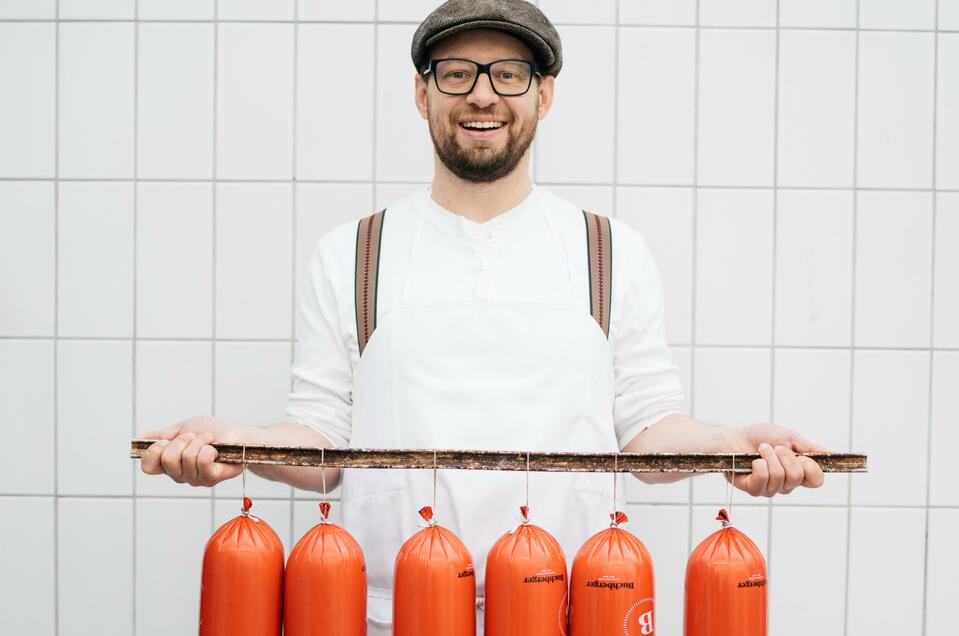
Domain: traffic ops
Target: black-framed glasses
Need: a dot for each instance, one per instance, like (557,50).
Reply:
(509,78)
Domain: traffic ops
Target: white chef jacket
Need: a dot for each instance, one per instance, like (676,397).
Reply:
(534,264)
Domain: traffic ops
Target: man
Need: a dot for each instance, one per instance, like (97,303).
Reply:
(476,328)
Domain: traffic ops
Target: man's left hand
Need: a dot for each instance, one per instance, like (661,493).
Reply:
(779,469)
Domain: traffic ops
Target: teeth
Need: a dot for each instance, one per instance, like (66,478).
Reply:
(482,124)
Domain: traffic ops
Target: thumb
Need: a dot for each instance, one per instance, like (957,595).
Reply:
(802,445)
(167,433)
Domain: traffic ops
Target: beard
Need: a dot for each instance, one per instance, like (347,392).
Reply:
(481,162)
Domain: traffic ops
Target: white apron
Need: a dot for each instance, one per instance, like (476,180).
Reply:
(540,378)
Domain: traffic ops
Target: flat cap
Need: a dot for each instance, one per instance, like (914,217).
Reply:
(516,17)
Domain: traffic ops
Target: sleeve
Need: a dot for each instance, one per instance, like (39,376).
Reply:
(647,386)
(321,396)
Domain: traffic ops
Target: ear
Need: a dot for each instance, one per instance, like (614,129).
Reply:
(421,86)
(545,92)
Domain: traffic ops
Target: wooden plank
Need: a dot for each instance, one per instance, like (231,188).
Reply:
(505,460)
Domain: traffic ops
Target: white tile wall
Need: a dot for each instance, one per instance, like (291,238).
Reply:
(175,101)
(577,119)
(814,262)
(664,218)
(27,258)
(324,10)
(174,260)
(655,136)
(254,116)
(28,9)
(27,558)
(94,412)
(818,13)
(947,126)
(27,68)
(26,374)
(893,269)
(897,14)
(946,311)
(175,9)
(170,540)
(890,422)
(798,189)
(737,13)
(942,612)
(96,100)
(895,109)
(737,81)
(944,434)
(95,566)
(673,12)
(96,9)
(734,263)
(95,259)
(334,136)
(948,14)
(817,97)
(254,260)
(881,542)
(255,9)
(805,580)
(664,531)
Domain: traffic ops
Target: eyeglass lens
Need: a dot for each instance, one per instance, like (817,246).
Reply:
(510,77)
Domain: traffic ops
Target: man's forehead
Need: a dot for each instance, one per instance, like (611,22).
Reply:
(476,43)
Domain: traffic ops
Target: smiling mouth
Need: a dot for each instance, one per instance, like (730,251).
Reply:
(482,126)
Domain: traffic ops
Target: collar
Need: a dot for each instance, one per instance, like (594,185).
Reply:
(511,221)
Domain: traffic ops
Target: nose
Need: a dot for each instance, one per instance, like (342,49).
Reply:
(482,94)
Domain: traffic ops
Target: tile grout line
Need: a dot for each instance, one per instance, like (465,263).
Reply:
(376,66)
(293,242)
(587,184)
(772,319)
(633,25)
(133,348)
(691,484)
(932,319)
(615,149)
(56,323)
(852,317)
(213,212)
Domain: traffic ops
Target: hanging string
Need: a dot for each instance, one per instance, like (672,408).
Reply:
(729,494)
(246,502)
(434,479)
(615,479)
(323,470)
(527,480)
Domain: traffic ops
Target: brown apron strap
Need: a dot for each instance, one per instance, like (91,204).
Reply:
(599,249)
(369,233)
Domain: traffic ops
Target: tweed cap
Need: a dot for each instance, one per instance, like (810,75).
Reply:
(516,17)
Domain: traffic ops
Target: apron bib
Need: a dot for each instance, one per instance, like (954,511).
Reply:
(483,375)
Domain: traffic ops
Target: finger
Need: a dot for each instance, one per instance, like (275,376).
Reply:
(755,482)
(150,460)
(172,456)
(189,457)
(168,433)
(813,473)
(795,473)
(777,474)
(211,472)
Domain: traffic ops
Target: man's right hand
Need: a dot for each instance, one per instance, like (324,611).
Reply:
(184,453)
